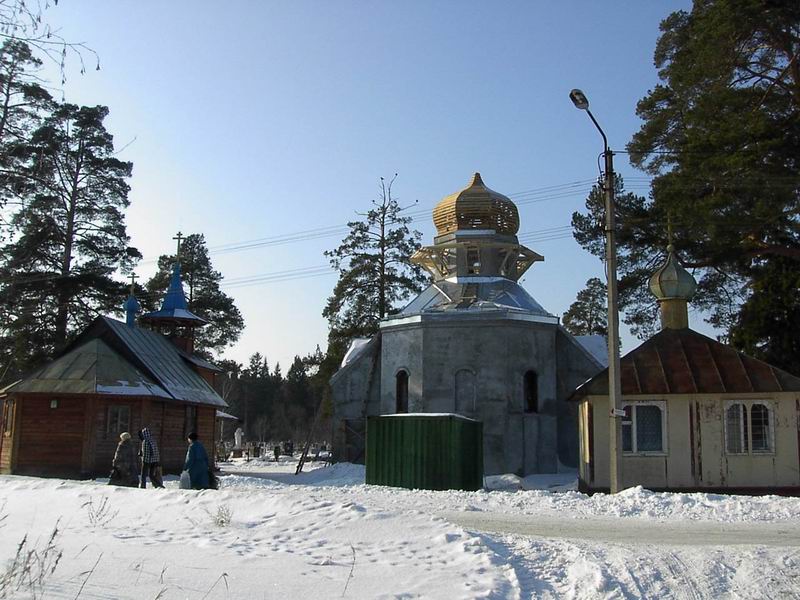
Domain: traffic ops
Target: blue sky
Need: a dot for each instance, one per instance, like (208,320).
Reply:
(248,120)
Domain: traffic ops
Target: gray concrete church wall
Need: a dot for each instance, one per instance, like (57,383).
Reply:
(402,350)
(354,393)
(495,354)
(474,367)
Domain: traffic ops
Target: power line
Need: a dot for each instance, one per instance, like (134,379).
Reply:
(534,195)
(531,196)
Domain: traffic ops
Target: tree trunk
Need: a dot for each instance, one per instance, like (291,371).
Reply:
(63,295)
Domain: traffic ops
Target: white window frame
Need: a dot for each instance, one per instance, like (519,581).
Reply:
(748,422)
(662,406)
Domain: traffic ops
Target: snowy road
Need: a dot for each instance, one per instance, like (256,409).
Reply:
(632,531)
(268,534)
(637,544)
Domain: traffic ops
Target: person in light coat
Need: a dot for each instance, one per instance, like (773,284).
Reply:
(125,466)
(197,463)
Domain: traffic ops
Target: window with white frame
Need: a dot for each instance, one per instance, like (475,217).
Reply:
(644,427)
(749,427)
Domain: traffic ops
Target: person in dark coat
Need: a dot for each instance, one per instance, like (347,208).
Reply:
(125,466)
(151,460)
(197,463)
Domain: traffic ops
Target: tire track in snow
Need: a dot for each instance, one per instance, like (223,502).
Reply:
(781,584)
(680,572)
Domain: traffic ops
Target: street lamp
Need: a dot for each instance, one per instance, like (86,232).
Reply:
(614,380)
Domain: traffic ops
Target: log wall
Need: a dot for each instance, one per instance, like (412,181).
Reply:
(50,440)
(73,439)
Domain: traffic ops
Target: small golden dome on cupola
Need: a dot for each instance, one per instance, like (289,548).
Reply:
(476,207)
(671,280)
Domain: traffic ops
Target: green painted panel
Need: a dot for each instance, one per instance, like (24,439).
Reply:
(432,452)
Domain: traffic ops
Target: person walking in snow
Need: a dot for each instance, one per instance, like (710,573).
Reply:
(197,463)
(151,460)
(125,466)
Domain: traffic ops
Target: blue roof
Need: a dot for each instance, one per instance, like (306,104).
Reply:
(175,307)
(132,307)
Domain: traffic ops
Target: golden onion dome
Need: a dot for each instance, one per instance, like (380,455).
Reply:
(476,207)
(671,280)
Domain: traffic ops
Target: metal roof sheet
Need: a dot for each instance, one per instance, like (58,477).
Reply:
(200,362)
(91,368)
(223,415)
(682,361)
(480,294)
(165,363)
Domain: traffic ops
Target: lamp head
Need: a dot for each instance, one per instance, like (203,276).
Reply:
(579,99)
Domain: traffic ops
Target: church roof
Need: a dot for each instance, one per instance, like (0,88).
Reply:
(227,416)
(91,368)
(476,294)
(114,353)
(476,207)
(175,309)
(682,361)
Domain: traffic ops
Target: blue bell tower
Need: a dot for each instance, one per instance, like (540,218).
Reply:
(174,319)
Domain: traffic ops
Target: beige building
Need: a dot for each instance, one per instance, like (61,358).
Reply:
(698,414)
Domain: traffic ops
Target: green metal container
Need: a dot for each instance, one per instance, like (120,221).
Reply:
(429,452)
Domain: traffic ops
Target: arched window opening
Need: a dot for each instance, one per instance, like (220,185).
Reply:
(401,392)
(465,392)
(473,261)
(531,392)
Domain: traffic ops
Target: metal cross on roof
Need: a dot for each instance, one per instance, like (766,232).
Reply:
(178,237)
(669,228)
(133,277)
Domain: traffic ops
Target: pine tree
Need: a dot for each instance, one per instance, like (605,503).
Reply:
(588,314)
(68,238)
(203,294)
(772,307)
(375,274)
(719,136)
(23,104)
(639,247)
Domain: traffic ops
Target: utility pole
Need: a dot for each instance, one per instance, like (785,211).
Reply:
(614,378)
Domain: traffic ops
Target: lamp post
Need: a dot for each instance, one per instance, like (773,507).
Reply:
(614,380)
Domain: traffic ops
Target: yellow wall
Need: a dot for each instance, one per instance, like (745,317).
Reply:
(712,467)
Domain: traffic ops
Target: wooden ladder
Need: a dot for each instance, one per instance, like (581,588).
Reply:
(311,433)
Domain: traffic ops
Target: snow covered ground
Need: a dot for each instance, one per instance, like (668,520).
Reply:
(324,534)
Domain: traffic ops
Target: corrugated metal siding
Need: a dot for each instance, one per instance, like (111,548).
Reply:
(438,452)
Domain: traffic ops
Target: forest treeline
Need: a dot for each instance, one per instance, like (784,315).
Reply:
(277,407)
